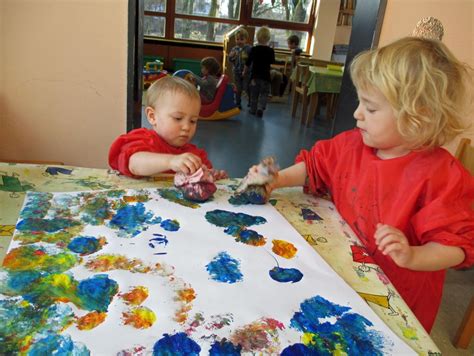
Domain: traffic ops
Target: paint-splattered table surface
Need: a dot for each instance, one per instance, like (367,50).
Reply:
(315,219)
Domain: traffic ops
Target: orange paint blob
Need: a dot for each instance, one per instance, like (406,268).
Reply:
(91,320)
(284,248)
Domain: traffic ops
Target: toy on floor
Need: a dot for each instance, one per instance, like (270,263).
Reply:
(223,106)
(252,188)
(150,76)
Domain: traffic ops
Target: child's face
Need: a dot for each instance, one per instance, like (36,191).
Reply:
(175,117)
(204,71)
(240,41)
(292,45)
(377,122)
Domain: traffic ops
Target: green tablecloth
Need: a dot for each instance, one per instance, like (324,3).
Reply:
(323,80)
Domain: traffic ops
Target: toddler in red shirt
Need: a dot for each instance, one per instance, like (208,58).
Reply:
(408,200)
(173,106)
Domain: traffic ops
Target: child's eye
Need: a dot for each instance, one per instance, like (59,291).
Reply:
(194,122)
(371,110)
(178,118)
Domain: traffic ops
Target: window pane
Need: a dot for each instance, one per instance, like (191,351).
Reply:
(154,26)
(279,38)
(201,30)
(282,10)
(155,5)
(228,9)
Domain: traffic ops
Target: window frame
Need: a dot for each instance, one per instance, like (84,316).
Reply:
(245,19)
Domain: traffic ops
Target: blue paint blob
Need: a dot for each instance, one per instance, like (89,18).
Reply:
(85,245)
(250,237)
(54,171)
(45,225)
(224,348)
(224,268)
(57,345)
(349,332)
(285,275)
(170,225)
(224,218)
(132,219)
(97,292)
(177,344)
(308,214)
(299,350)
(37,205)
(20,282)
(253,196)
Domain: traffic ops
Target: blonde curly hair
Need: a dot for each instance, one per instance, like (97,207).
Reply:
(427,87)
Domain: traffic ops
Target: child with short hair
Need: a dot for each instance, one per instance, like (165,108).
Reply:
(238,57)
(210,69)
(293,44)
(260,59)
(408,200)
(173,106)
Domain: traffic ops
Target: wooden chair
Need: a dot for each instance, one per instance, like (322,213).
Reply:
(466,329)
(465,154)
(300,88)
(465,332)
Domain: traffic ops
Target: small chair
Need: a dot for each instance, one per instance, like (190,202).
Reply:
(300,88)
(465,154)
(466,329)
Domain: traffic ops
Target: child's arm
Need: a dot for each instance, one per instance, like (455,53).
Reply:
(149,163)
(431,256)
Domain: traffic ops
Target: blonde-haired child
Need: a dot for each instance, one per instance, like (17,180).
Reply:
(238,57)
(173,106)
(408,200)
(260,59)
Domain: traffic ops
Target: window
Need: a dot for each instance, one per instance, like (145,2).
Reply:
(209,20)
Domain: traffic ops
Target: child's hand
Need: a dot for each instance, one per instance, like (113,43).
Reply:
(232,54)
(393,242)
(186,163)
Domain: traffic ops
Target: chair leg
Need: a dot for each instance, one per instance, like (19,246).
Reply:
(466,329)
(294,104)
(313,105)
(304,110)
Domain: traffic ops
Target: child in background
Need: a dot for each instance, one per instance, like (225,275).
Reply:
(408,200)
(210,69)
(238,57)
(293,44)
(260,59)
(173,106)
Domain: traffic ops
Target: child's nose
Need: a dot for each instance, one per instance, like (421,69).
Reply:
(358,113)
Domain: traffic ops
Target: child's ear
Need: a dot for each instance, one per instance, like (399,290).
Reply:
(150,115)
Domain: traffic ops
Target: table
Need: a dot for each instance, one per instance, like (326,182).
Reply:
(333,239)
(323,80)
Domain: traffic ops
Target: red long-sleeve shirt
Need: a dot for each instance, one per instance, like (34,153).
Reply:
(145,140)
(425,194)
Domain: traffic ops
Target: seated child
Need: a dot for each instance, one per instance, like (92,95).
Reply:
(210,69)
(293,44)
(173,106)
(408,200)
(238,56)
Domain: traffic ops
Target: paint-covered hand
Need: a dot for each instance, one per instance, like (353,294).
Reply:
(393,242)
(185,163)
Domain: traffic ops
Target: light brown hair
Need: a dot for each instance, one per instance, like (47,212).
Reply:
(263,35)
(427,87)
(170,85)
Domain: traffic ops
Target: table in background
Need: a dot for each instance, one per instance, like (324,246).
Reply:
(315,219)
(323,80)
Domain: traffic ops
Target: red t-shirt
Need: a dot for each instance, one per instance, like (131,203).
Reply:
(145,140)
(427,195)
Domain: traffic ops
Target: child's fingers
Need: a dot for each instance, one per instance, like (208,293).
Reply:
(395,247)
(386,241)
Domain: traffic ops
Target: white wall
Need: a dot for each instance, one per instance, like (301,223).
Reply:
(63,73)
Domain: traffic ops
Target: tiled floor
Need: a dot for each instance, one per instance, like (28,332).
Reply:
(236,144)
